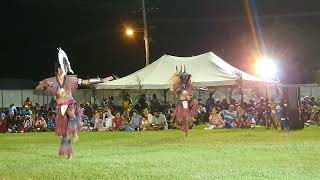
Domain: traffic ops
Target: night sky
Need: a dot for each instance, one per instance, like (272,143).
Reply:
(92,34)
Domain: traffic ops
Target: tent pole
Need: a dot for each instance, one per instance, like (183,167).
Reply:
(165,96)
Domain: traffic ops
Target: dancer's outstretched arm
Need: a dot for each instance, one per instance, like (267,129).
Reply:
(94,81)
(43,85)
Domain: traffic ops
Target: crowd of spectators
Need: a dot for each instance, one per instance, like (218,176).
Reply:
(263,112)
(154,116)
(28,118)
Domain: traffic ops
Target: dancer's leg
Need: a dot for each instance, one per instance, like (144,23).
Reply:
(66,147)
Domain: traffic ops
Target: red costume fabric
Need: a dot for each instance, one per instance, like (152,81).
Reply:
(186,108)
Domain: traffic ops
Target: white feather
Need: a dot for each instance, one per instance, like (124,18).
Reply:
(61,56)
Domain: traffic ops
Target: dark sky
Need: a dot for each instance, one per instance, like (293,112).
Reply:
(91,33)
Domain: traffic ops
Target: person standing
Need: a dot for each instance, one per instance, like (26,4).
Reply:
(68,113)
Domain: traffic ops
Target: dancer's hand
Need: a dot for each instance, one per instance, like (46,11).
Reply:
(49,83)
(107,79)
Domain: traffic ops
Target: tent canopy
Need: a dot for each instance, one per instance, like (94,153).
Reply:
(207,70)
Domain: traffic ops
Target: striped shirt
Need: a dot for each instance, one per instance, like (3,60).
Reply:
(228,116)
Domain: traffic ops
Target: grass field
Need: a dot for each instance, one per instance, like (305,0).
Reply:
(216,154)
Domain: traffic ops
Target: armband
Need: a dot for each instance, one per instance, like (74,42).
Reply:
(79,81)
(95,80)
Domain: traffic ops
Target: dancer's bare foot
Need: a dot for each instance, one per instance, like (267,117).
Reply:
(76,139)
(69,157)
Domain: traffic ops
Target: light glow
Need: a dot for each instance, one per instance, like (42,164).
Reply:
(266,68)
(129,32)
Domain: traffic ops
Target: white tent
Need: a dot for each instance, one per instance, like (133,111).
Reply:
(207,70)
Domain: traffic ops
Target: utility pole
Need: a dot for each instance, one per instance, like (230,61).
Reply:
(145,31)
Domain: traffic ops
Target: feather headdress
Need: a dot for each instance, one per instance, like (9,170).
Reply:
(64,62)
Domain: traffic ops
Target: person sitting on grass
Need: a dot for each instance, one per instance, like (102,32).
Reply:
(215,120)
(28,124)
(240,120)
(229,116)
(159,121)
(145,124)
(98,123)
(51,123)
(3,123)
(95,120)
(135,122)
(251,117)
(315,115)
(126,115)
(27,111)
(271,118)
(243,122)
(40,124)
(107,118)
(118,122)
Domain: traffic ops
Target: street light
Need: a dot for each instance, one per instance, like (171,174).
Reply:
(266,68)
(129,32)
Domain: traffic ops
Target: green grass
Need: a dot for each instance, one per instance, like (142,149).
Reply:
(216,154)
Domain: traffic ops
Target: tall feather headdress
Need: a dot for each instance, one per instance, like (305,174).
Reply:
(64,62)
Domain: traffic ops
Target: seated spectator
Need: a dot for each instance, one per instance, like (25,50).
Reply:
(215,120)
(14,122)
(135,122)
(282,113)
(12,109)
(243,122)
(94,119)
(40,124)
(170,115)
(28,124)
(85,123)
(88,111)
(107,118)
(3,123)
(126,115)
(202,111)
(159,121)
(51,123)
(315,115)
(26,111)
(145,124)
(98,123)
(118,122)
(239,120)
(228,116)
(147,115)
(271,118)
(251,117)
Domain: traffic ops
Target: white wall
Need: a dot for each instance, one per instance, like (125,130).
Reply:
(17,97)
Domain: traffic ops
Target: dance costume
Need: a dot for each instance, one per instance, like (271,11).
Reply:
(68,114)
(186,109)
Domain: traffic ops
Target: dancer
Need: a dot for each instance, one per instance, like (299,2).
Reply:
(68,113)
(186,108)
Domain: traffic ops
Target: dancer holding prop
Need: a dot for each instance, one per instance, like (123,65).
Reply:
(68,114)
